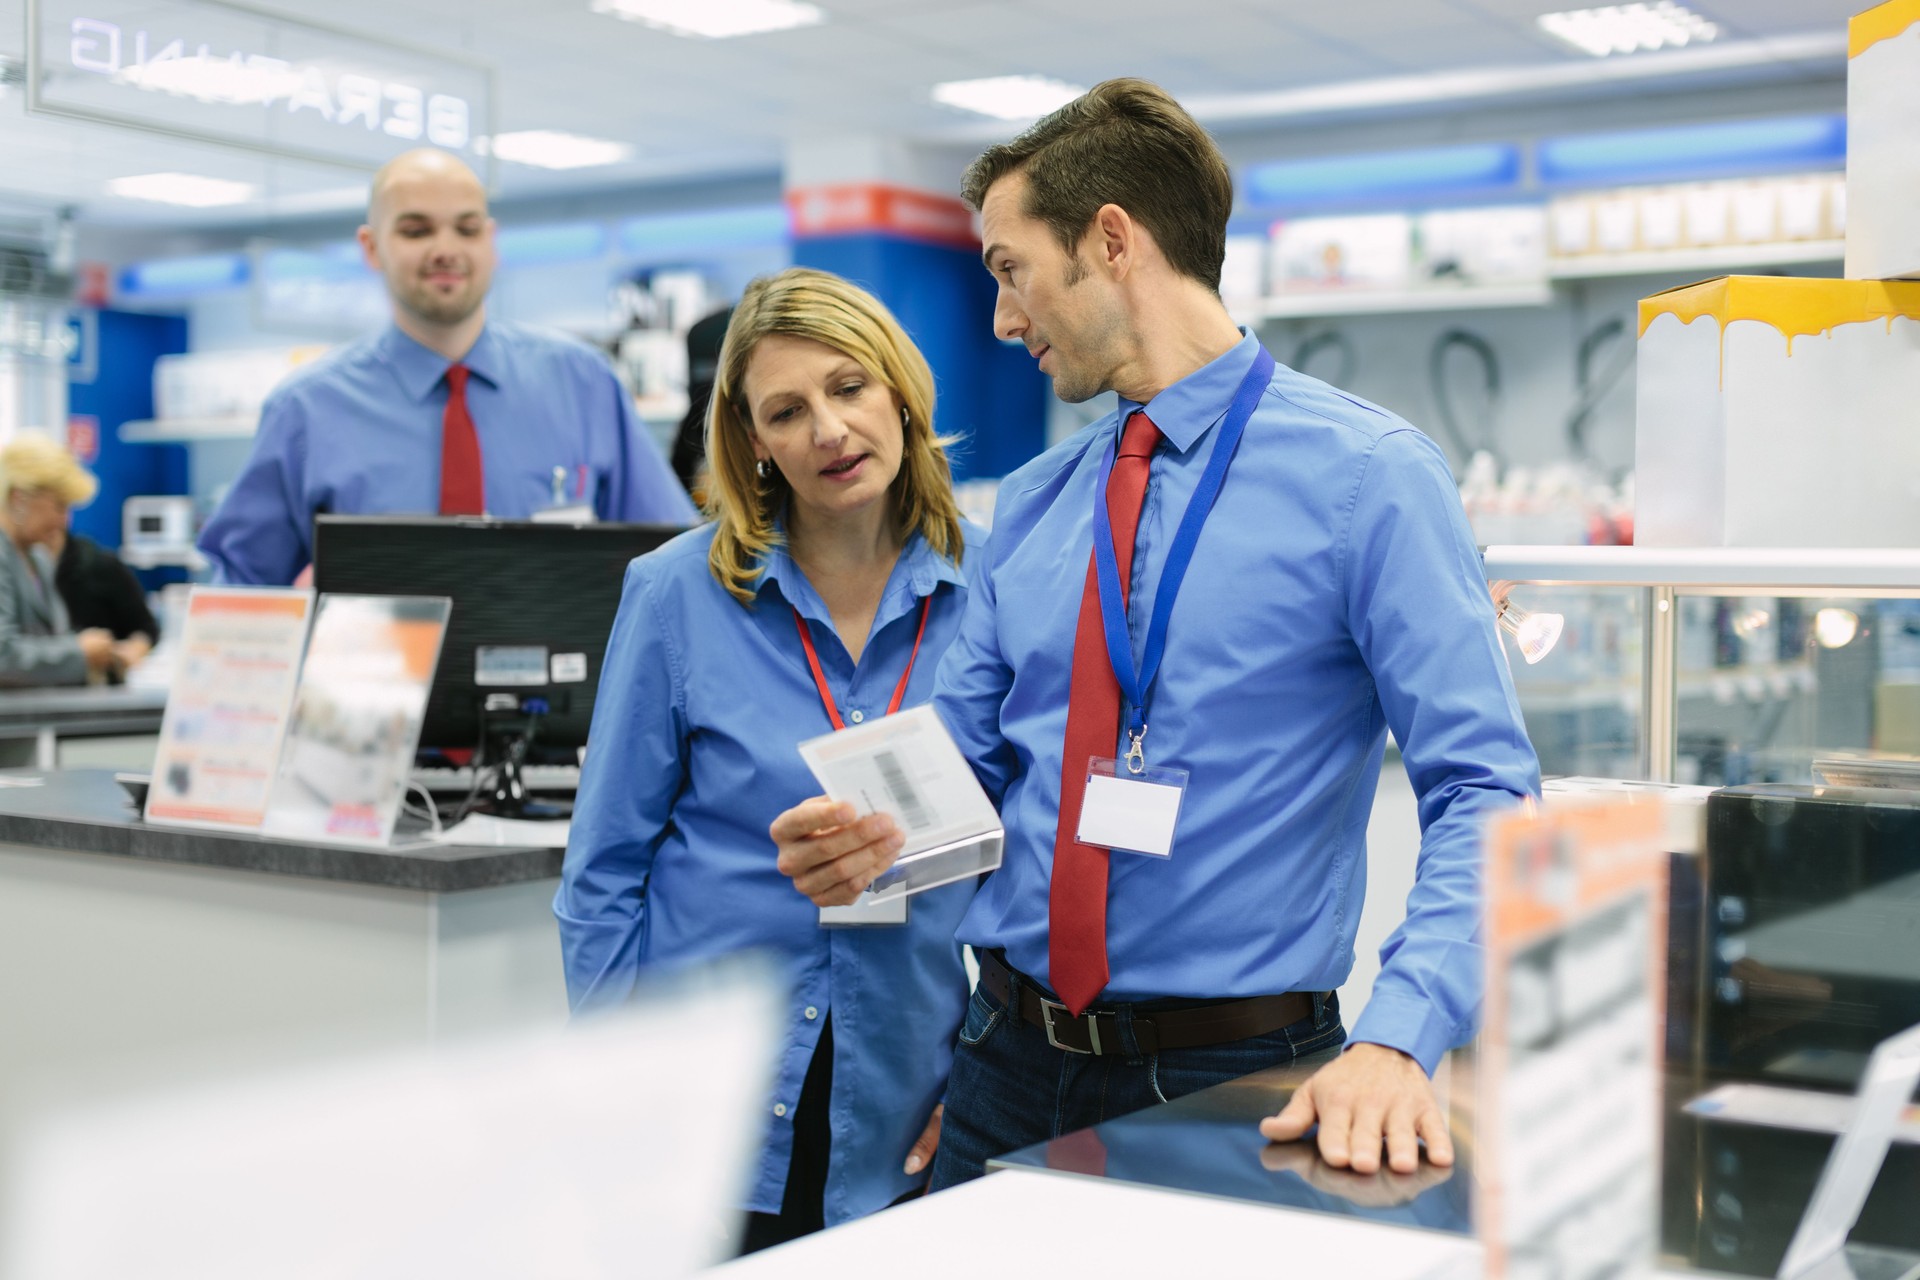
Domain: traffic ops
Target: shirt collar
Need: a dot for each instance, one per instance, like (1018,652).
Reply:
(1185,410)
(920,567)
(421,370)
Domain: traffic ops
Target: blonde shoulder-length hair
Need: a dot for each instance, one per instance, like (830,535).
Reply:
(803,303)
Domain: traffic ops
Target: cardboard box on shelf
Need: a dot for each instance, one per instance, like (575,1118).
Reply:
(1883,165)
(1775,412)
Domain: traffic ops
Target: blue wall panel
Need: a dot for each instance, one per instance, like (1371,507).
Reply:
(989,393)
(122,391)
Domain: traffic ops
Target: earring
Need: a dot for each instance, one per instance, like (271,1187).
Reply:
(906,419)
(763,468)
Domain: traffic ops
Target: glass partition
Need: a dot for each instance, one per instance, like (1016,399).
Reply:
(1583,700)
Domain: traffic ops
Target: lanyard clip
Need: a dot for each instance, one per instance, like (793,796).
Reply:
(1136,757)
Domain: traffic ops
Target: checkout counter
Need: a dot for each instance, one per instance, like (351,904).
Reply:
(135,953)
(33,721)
(1794,947)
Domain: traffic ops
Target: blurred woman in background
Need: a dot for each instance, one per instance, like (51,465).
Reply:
(38,645)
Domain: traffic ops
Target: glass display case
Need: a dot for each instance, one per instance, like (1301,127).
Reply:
(1721,666)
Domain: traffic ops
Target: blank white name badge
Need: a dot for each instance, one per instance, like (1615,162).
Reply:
(1131,812)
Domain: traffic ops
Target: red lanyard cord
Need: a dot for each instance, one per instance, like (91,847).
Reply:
(820,677)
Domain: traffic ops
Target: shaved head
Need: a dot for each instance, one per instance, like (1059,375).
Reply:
(429,235)
(423,165)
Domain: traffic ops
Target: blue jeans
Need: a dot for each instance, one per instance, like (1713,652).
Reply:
(1009,1088)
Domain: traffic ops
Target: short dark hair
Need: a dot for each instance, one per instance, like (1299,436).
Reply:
(1124,142)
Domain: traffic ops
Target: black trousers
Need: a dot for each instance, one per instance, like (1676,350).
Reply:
(802,1208)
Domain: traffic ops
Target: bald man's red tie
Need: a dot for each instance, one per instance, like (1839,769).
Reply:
(1077,905)
(462,485)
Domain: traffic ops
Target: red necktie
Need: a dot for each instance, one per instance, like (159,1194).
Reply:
(462,490)
(1077,901)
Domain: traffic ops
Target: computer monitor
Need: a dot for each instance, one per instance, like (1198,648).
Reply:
(533,604)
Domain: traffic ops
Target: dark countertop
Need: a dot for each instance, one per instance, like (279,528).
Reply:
(102,708)
(1209,1143)
(85,811)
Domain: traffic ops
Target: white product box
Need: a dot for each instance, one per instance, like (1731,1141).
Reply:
(221,384)
(1373,251)
(1243,273)
(1778,412)
(1883,164)
(1478,246)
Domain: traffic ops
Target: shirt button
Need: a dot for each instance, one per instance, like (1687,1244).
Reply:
(780,1108)
(857,716)
(812,1013)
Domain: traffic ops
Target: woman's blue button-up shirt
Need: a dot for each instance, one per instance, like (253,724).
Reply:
(701,704)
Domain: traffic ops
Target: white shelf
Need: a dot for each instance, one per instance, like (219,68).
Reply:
(187,430)
(1775,570)
(1716,261)
(162,558)
(1359,302)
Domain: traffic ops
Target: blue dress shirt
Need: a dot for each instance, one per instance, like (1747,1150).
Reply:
(357,432)
(702,702)
(1335,593)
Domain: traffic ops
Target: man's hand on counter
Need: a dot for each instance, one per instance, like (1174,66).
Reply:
(1384,1189)
(828,855)
(1367,1097)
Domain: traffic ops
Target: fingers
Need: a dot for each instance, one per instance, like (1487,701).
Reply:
(837,881)
(1294,1119)
(1433,1128)
(809,817)
(828,855)
(1403,1143)
(927,1144)
(1344,1135)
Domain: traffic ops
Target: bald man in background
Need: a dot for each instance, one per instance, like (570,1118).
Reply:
(442,412)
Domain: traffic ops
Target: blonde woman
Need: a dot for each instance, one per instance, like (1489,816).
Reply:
(825,590)
(41,483)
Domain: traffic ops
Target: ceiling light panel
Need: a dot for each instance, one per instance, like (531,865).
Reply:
(551,149)
(1629,28)
(715,19)
(189,189)
(1007,97)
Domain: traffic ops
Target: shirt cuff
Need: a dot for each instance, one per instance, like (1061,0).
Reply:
(1407,1023)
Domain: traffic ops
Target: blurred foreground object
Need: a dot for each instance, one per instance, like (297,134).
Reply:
(587,1153)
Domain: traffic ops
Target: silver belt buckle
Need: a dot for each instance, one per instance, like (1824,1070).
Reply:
(1047,1008)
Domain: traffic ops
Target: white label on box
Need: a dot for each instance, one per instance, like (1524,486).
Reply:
(568,668)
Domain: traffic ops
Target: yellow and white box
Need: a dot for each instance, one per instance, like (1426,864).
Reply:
(1883,158)
(1779,412)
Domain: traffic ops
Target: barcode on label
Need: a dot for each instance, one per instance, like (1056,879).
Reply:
(901,792)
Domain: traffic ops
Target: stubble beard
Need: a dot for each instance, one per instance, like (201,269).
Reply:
(438,310)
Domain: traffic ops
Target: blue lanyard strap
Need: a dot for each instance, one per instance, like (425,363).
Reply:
(1136,684)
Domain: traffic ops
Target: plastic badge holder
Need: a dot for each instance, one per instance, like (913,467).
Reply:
(909,767)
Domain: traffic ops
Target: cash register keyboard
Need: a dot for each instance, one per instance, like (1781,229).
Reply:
(537,777)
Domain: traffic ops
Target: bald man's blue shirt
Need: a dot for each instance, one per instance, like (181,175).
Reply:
(357,432)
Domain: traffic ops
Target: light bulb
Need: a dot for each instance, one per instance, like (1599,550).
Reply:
(1534,633)
(1834,627)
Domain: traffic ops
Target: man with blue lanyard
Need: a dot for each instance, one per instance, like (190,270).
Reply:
(443,412)
(1266,575)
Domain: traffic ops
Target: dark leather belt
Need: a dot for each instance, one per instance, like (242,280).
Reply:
(1155,1027)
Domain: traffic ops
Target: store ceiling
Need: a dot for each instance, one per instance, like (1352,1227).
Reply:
(696,109)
